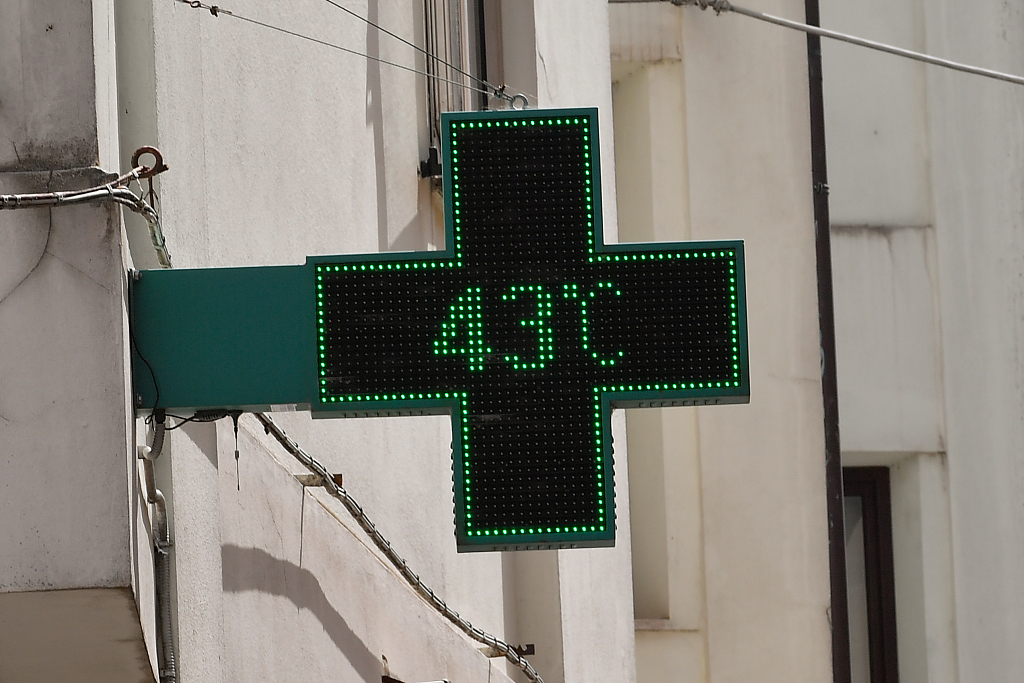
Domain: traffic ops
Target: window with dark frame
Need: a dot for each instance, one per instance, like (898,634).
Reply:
(870,578)
(463,50)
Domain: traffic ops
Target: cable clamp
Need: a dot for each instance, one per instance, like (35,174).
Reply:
(158,166)
(718,5)
(500,94)
(214,9)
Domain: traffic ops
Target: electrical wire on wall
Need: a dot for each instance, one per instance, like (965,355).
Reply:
(384,545)
(497,646)
(324,478)
(720,6)
(117,190)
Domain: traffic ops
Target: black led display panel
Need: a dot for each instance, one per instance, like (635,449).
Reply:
(529,329)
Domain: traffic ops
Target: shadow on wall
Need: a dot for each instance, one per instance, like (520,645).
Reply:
(252,569)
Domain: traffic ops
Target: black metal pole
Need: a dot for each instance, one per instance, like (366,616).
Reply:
(829,385)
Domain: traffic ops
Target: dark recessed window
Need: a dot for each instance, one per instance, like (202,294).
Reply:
(869,575)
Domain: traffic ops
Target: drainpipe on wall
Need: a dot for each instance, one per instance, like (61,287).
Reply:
(161,551)
(829,385)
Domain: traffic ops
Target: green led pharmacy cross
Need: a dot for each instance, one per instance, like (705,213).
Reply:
(530,329)
(527,330)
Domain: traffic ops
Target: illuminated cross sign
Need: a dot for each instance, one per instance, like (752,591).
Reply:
(528,330)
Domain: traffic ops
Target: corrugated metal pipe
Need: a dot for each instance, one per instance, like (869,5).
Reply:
(161,551)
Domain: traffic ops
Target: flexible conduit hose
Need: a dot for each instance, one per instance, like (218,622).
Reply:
(161,554)
(115,191)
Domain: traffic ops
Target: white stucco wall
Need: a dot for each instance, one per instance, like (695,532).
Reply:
(63,426)
(48,86)
(978,161)
(74,514)
(880,102)
(715,144)
(928,208)
(887,338)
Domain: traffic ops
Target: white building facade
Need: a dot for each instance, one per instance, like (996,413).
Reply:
(927,205)
(280,147)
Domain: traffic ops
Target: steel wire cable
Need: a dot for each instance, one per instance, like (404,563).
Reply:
(720,6)
(428,54)
(491,90)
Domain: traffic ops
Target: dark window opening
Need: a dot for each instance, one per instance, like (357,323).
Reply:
(869,575)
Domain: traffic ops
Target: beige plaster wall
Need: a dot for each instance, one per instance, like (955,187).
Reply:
(714,144)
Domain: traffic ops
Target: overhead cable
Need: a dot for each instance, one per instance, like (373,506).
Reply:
(725,6)
(490,90)
(428,55)
(316,468)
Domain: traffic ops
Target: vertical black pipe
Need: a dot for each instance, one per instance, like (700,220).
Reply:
(829,385)
(481,47)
